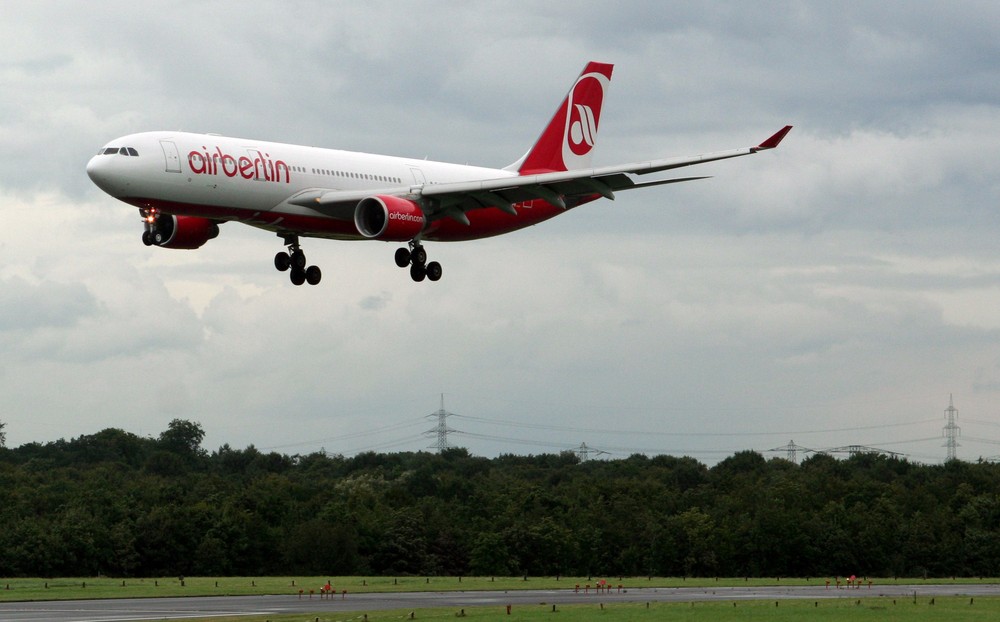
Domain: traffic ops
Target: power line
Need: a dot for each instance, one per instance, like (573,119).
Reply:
(441,434)
(537,426)
(518,441)
(858,450)
(354,435)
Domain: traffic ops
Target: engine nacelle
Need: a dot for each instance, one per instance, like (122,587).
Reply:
(187,232)
(389,218)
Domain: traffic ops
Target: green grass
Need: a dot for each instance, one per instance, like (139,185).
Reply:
(97,588)
(840,610)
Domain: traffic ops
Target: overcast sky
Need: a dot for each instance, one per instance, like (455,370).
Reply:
(833,292)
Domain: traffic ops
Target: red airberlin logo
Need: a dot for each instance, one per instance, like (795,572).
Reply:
(255,165)
(582,117)
(583,114)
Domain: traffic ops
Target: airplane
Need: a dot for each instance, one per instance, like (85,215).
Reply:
(185,185)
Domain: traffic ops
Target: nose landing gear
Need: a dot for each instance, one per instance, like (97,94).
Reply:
(295,261)
(416,258)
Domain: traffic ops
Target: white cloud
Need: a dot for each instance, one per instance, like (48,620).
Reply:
(844,280)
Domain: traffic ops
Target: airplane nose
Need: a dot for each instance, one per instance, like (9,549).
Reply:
(94,168)
(98,169)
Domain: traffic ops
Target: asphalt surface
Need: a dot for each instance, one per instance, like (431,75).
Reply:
(122,610)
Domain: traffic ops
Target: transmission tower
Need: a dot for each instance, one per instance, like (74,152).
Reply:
(951,430)
(792,450)
(584,452)
(441,430)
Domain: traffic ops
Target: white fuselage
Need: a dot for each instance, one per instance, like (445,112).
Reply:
(253,181)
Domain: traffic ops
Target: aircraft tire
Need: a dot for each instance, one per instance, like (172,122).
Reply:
(282,261)
(298,276)
(299,260)
(418,272)
(313,275)
(434,271)
(402,257)
(146,238)
(419,255)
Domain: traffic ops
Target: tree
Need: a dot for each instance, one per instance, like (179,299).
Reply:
(183,435)
(490,555)
(403,548)
(3,435)
(117,503)
(183,438)
(698,546)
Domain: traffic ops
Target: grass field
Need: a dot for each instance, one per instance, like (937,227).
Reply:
(97,588)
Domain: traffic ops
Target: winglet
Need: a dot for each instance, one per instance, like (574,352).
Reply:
(773,141)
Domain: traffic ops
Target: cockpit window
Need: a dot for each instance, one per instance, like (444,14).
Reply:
(125,151)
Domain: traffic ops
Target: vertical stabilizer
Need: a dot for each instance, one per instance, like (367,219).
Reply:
(570,136)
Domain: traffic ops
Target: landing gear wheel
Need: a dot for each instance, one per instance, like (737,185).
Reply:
(298,259)
(313,275)
(433,271)
(402,257)
(146,238)
(418,272)
(298,276)
(282,261)
(418,255)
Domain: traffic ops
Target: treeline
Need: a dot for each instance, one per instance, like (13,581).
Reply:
(117,504)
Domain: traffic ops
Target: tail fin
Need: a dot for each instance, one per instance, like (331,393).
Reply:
(570,136)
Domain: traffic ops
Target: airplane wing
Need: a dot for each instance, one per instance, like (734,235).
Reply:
(452,200)
(340,204)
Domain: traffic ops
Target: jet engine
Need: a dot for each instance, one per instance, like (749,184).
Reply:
(187,232)
(389,218)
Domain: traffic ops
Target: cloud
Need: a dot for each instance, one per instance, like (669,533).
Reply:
(843,280)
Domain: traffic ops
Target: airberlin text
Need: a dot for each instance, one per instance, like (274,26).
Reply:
(405,217)
(253,166)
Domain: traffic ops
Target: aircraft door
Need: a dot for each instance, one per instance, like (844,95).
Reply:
(171,156)
(418,176)
(260,172)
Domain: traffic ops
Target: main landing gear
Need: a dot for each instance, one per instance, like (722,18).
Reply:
(295,260)
(416,257)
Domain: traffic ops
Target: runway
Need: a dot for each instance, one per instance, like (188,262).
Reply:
(123,610)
